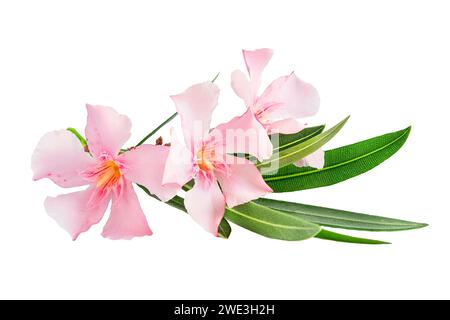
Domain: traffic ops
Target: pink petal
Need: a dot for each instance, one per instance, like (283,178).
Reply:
(315,160)
(206,204)
(245,134)
(73,213)
(106,130)
(179,163)
(289,97)
(195,107)
(127,220)
(242,183)
(286,126)
(241,86)
(145,166)
(60,157)
(256,61)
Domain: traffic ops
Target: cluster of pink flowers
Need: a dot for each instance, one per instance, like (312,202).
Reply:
(206,156)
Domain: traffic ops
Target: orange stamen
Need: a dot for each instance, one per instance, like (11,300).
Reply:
(203,160)
(108,174)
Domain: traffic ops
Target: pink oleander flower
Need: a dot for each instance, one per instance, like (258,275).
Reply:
(276,110)
(205,157)
(106,171)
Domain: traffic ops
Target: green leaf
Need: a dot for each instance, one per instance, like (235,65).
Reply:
(215,77)
(340,218)
(156,129)
(289,140)
(178,202)
(294,153)
(271,223)
(224,229)
(340,164)
(79,136)
(334,236)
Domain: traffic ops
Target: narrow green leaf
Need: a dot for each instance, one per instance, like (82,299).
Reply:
(156,129)
(334,236)
(79,136)
(271,223)
(178,203)
(299,151)
(289,140)
(215,77)
(340,218)
(340,164)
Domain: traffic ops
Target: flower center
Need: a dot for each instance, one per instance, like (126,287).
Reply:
(210,161)
(107,174)
(204,160)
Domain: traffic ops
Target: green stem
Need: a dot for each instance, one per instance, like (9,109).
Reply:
(166,121)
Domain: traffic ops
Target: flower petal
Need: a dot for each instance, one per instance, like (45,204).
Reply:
(289,97)
(127,220)
(75,211)
(106,130)
(206,204)
(286,126)
(60,157)
(145,165)
(256,61)
(315,160)
(245,134)
(195,107)
(243,182)
(179,166)
(241,86)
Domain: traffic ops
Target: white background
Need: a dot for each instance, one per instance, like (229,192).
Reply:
(386,63)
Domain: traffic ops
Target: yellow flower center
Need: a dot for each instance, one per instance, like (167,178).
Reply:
(108,174)
(203,160)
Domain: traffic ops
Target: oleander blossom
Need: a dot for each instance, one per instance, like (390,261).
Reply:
(278,107)
(106,171)
(206,157)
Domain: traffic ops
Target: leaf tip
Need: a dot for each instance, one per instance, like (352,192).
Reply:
(377,242)
(421,225)
(405,132)
(343,122)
